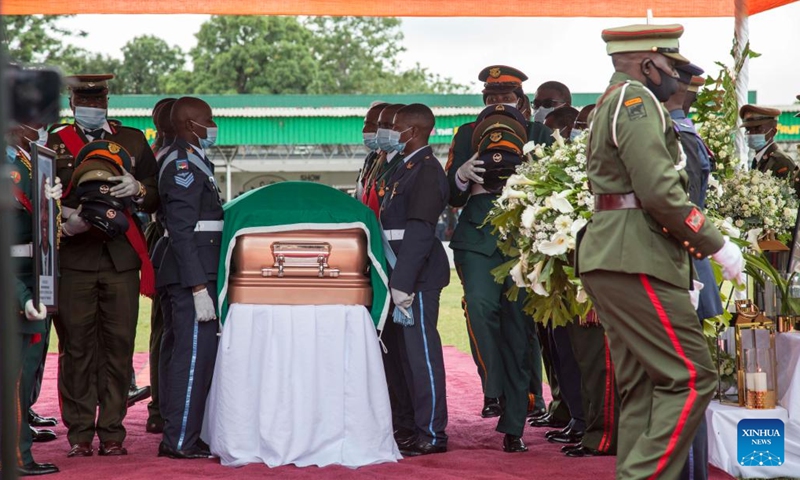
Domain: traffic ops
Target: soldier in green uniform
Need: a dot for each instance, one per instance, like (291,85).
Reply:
(32,319)
(634,257)
(761,124)
(100,277)
(475,247)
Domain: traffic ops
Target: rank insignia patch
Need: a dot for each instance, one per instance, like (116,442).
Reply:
(15,176)
(635,108)
(695,220)
(182,164)
(184,179)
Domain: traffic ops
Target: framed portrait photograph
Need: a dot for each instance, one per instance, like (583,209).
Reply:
(45,229)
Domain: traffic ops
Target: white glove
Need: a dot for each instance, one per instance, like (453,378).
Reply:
(54,191)
(75,224)
(694,294)
(204,306)
(31,313)
(127,186)
(470,171)
(402,300)
(731,259)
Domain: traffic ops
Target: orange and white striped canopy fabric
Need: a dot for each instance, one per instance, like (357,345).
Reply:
(396,8)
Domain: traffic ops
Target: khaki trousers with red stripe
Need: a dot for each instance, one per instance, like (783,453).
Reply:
(664,371)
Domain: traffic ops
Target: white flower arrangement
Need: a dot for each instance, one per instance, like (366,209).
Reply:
(538,215)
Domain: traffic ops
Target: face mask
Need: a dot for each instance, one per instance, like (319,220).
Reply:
(371,140)
(211,136)
(539,114)
(90,118)
(756,141)
(397,145)
(11,153)
(669,85)
(382,138)
(42,140)
(513,105)
(575,133)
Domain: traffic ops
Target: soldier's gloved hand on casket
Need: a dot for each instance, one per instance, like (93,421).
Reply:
(471,170)
(694,293)
(74,224)
(54,191)
(204,306)
(732,261)
(127,186)
(402,299)
(31,313)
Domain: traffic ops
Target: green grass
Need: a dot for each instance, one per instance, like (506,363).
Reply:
(452,327)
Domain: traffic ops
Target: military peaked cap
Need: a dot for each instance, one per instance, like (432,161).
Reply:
(753,115)
(661,39)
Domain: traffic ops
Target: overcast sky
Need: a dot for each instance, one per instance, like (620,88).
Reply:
(568,50)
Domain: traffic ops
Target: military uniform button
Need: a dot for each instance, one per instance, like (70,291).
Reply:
(691,250)
(699,255)
(664,229)
(685,243)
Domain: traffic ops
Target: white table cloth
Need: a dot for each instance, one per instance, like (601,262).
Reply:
(787,351)
(299,385)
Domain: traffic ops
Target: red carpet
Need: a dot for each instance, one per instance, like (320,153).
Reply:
(474,446)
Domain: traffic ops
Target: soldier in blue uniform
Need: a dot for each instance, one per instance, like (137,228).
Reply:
(417,195)
(187,258)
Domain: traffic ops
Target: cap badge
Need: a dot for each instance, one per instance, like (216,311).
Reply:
(494,72)
(499,107)
(90,84)
(497,158)
(496,136)
(113,148)
(104,189)
(111,213)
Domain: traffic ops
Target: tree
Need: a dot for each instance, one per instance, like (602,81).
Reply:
(148,62)
(252,54)
(74,61)
(35,38)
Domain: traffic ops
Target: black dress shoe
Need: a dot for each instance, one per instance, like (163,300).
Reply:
(513,444)
(405,438)
(137,394)
(550,433)
(187,454)
(112,449)
(491,407)
(422,448)
(567,448)
(586,452)
(36,420)
(154,425)
(537,412)
(42,435)
(33,468)
(570,437)
(546,420)
(81,449)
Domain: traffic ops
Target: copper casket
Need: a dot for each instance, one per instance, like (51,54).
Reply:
(301,267)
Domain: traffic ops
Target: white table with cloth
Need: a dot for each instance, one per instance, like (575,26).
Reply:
(724,419)
(297,384)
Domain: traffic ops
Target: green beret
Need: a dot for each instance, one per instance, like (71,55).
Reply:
(661,39)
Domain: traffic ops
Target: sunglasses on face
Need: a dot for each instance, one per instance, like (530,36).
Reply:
(548,103)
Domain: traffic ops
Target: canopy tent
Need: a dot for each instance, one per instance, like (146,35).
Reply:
(398,8)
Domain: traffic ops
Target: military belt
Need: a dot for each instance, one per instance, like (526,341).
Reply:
(616,201)
(22,251)
(205,226)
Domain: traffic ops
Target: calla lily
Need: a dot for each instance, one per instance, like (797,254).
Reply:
(557,136)
(752,238)
(509,192)
(714,184)
(558,245)
(528,216)
(577,225)
(581,296)
(516,275)
(729,229)
(528,148)
(559,202)
(518,179)
(533,278)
